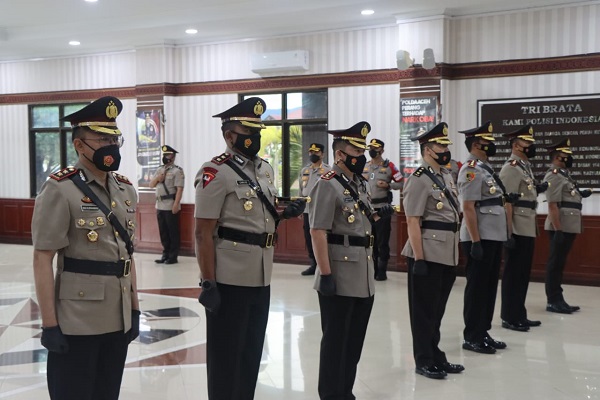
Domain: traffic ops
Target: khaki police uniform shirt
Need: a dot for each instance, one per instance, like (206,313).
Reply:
(517,177)
(563,188)
(223,195)
(475,184)
(425,199)
(309,177)
(386,172)
(66,220)
(174,178)
(334,210)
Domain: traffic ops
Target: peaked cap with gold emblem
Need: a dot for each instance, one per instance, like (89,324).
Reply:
(524,132)
(376,144)
(484,131)
(563,145)
(247,113)
(316,147)
(438,134)
(356,135)
(99,116)
(168,150)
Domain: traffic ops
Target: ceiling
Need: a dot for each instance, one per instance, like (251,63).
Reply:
(33,29)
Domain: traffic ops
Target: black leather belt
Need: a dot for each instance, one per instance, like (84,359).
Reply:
(359,241)
(526,204)
(380,200)
(496,201)
(265,240)
(569,204)
(118,269)
(440,226)
(167,196)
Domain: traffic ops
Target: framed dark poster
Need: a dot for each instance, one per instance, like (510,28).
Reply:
(576,117)
(416,115)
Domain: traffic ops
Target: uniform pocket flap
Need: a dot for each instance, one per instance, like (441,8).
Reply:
(229,245)
(81,291)
(494,210)
(439,236)
(342,253)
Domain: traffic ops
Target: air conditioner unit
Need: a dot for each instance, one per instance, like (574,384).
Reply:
(295,60)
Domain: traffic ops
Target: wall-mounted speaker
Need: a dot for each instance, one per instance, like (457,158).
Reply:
(403,60)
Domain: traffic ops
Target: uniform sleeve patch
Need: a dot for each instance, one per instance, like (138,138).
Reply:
(121,178)
(221,159)
(208,175)
(64,173)
(470,176)
(328,175)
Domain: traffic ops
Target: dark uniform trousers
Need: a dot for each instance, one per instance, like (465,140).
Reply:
(427,298)
(382,229)
(515,279)
(92,369)
(168,226)
(308,240)
(481,289)
(235,337)
(556,265)
(344,323)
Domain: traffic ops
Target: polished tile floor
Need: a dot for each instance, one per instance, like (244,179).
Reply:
(559,360)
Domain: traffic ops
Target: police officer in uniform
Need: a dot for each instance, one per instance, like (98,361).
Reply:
(432,216)
(340,218)
(236,222)
(482,234)
(383,176)
(517,176)
(169,181)
(563,222)
(90,311)
(309,175)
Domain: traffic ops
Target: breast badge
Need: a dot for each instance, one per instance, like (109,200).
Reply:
(86,199)
(439,205)
(99,221)
(92,236)
(248,205)
(492,189)
(351,218)
(81,222)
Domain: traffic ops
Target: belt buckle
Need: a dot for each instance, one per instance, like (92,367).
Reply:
(371,240)
(127,268)
(269,241)
(503,201)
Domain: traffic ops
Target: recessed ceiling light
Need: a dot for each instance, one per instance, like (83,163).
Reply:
(74,43)
(367,12)
(91,1)
(191,31)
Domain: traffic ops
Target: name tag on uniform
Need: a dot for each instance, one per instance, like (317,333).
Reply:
(348,199)
(131,210)
(242,182)
(88,207)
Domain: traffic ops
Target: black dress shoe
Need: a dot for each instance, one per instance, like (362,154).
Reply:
(496,344)
(573,308)
(532,323)
(451,368)
(478,347)
(309,271)
(160,260)
(431,371)
(515,326)
(381,276)
(171,261)
(560,307)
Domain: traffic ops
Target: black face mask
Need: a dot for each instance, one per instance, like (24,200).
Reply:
(530,151)
(314,158)
(355,164)
(443,158)
(567,160)
(248,145)
(166,160)
(107,158)
(373,153)
(489,149)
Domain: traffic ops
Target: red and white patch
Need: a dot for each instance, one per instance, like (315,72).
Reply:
(108,160)
(208,175)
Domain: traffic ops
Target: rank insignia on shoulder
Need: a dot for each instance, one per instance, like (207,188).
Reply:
(472,163)
(470,176)
(63,173)
(221,159)
(122,178)
(555,171)
(329,175)
(513,163)
(419,171)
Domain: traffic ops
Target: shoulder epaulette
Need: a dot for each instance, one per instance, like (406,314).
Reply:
(472,163)
(122,178)
(419,171)
(328,175)
(513,163)
(63,173)
(385,163)
(221,159)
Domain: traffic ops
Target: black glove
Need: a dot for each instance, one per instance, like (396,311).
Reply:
(385,211)
(510,244)
(512,198)
(559,237)
(294,209)
(210,297)
(134,332)
(477,251)
(54,340)
(585,193)
(541,187)
(326,285)
(420,267)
